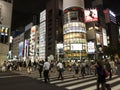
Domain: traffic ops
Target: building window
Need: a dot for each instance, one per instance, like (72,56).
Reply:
(73,16)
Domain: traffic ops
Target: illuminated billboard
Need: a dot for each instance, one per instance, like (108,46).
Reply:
(97,39)
(21,48)
(26,48)
(91,15)
(32,40)
(91,47)
(104,37)
(76,46)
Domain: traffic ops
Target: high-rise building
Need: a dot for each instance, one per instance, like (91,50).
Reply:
(5,26)
(105,29)
(112,28)
(17,46)
(42,35)
(74,30)
(54,28)
(96,28)
(5,21)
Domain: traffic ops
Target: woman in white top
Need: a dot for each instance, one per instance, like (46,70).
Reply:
(60,70)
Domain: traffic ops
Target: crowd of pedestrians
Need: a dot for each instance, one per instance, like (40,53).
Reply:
(81,68)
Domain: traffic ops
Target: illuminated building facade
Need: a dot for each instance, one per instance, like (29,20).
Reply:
(42,35)
(96,30)
(74,30)
(5,20)
(5,27)
(32,43)
(112,28)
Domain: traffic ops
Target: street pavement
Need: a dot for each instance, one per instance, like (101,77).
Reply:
(24,81)
(15,81)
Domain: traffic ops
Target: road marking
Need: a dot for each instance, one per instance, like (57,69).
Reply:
(77,81)
(117,87)
(11,76)
(79,85)
(94,87)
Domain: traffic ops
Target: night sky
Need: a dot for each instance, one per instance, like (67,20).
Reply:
(23,10)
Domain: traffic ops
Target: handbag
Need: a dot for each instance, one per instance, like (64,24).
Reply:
(108,86)
(106,73)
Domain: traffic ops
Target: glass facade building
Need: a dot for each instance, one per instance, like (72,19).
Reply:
(74,30)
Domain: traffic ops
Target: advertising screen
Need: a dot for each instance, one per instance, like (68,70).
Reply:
(91,47)
(98,39)
(26,48)
(21,50)
(104,37)
(76,46)
(91,15)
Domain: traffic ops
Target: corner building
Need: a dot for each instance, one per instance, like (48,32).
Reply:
(5,27)
(74,30)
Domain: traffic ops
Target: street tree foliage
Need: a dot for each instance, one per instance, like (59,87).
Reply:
(109,50)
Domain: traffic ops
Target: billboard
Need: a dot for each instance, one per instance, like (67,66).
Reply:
(76,46)
(21,48)
(91,15)
(91,47)
(98,39)
(104,33)
(26,48)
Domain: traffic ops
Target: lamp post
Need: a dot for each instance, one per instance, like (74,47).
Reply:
(80,52)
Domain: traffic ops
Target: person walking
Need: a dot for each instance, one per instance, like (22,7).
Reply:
(108,68)
(83,65)
(46,68)
(4,66)
(29,67)
(113,67)
(76,69)
(60,70)
(100,75)
(40,67)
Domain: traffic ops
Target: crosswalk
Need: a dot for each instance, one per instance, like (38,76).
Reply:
(87,83)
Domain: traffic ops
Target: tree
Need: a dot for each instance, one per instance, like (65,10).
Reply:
(109,51)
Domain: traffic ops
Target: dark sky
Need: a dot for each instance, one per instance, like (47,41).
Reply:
(23,10)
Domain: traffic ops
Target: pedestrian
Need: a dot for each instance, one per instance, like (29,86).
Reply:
(108,68)
(60,70)
(113,67)
(4,66)
(40,67)
(83,65)
(100,75)
(88,67)
(29,67)
(76,69)
(46,68)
